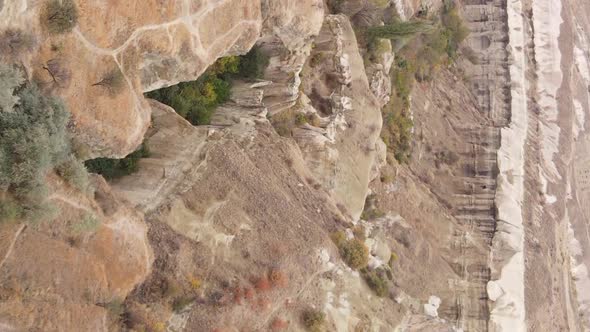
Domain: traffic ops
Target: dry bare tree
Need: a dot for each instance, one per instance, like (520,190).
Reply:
(59,72)
(113,81)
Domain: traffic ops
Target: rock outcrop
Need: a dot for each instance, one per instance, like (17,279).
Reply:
(65,274)
(341,154)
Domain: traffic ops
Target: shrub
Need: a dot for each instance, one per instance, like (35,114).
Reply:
(75,173)
(400,29)
(34,139)
(181,302)
(285,121)
(9,210)
(355,253)
(115,308)
(377,281)
(253,64)
(10,79)
(88,224)
(60,16)
(13,42)
(300,119)
(116,168)
(313,320)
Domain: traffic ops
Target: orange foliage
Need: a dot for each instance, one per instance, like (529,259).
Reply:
(263,284)
(279,325)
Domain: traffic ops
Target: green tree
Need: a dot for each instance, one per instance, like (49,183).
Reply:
(401,30)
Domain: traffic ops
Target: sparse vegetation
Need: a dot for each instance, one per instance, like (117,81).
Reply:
(197,100)
(115,308)
(313,320)
(116,168)
(60,16)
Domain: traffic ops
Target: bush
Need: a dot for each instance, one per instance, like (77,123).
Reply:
(116,168)
(181,302)
(10,79)
(401,29)
(34,139)
(355,253)
(116,308)
(88,224)
(60,16)
(313,320)
(285,121)
(253,64)
(9,210)
(377,281)
(13,42)
(75,173)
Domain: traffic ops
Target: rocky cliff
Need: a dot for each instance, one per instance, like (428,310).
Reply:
(232,227)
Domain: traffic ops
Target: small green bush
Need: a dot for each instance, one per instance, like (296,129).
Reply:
(285,121)
(400,29)
(116,308)
(10,79)
(116,168)
(313,320)
(33,140)
(60,16)
(181,302)
(253,64)
(377,281)
(300,119)
(88,224)
(73,171)
(9,210)
(354,252)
